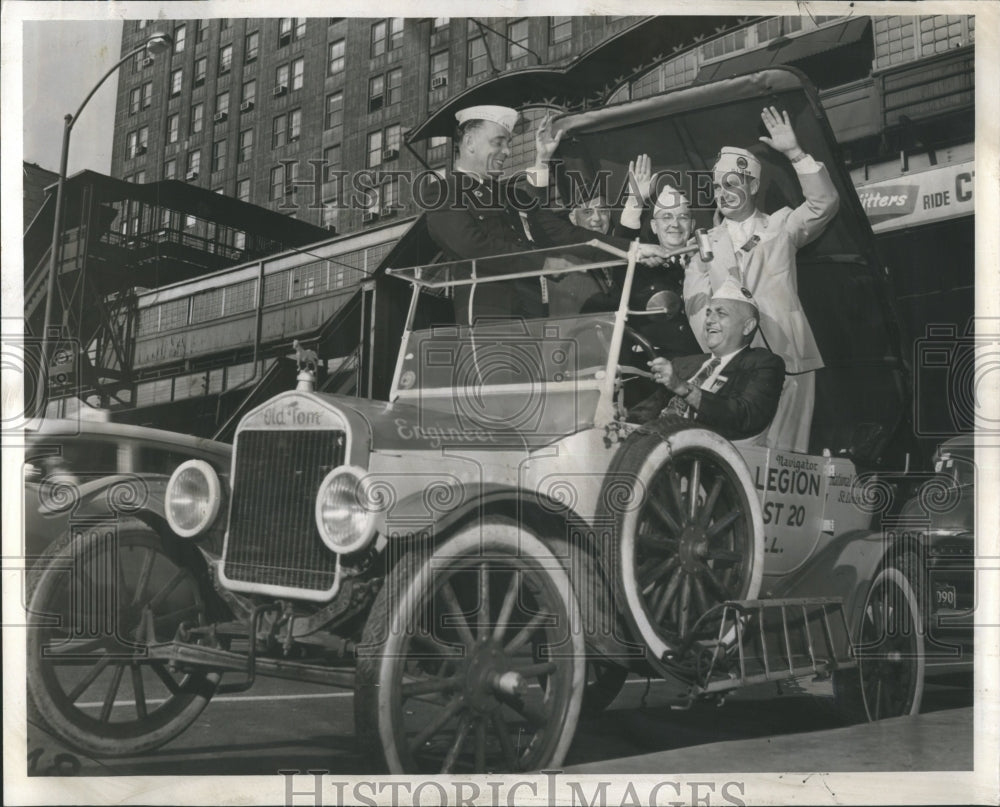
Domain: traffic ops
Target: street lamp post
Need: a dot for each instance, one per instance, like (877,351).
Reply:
(157,43)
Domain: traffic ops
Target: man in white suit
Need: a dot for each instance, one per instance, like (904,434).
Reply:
(758,250)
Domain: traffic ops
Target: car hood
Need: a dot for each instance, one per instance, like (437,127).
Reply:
(499,421)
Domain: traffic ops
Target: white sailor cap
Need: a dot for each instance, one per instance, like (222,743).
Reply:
(502,115)
(731,289)
(670,198)
(736,160)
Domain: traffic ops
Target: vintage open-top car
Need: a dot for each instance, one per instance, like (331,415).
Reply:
(470,553)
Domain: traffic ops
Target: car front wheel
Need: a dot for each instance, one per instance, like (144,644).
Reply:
(471,659)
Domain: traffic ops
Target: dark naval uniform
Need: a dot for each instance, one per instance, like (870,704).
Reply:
(478,219)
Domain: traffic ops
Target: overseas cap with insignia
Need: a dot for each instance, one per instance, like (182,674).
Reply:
(670,199)
(502,115)
(740,161)
(731,289)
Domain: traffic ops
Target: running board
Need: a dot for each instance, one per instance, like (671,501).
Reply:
(741,643)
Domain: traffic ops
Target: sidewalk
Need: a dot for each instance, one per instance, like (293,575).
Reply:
(937,741)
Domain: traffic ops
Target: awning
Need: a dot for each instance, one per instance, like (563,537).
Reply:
(591,75)
(786,50)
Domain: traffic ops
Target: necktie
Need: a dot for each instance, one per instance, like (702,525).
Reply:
(677,405)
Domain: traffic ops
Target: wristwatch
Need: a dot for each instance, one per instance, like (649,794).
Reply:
(800,156)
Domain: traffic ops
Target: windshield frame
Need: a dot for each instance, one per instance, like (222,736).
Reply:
(606,410)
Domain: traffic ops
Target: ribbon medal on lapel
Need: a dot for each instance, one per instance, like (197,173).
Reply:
(749,245)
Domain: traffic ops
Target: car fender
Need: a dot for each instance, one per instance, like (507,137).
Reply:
(844,568)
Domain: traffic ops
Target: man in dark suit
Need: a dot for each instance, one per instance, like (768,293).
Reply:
(661,286)
(733,390)
(480,216)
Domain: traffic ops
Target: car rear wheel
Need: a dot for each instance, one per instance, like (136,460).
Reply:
(96,601)
(471,660)
(689,532)
(889,678)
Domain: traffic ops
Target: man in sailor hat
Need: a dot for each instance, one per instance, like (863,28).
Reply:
(758,250)
(480,216)
(735,388)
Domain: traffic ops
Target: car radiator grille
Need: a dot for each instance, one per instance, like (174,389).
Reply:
(273,539)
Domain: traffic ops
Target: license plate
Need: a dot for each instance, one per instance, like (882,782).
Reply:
(945,596)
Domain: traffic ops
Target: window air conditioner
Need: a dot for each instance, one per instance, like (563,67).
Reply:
(281,89)
(191,175)
(389,154)
(369,215)
(221,116)
(246,106)
(388,211)
(439,81)
(147,62)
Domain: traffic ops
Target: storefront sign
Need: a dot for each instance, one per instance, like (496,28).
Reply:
(919,198)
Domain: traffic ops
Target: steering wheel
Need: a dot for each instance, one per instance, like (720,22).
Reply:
(602,331)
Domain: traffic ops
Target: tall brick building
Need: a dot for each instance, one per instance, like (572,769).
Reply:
(253,107)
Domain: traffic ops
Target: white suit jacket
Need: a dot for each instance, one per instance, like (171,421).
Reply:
(770,273)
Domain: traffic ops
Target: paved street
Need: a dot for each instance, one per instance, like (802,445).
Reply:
(285,725)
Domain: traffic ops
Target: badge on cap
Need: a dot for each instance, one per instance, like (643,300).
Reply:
(737,160)
(502,115)
(732,289)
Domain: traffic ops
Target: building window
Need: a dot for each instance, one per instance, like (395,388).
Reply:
(222,106)
(290,28)
(197,117)
(194,163)
(200,31)
(225,59)
(392,141)
(219,155)
(281,76)
(378,38)
(298,73)
(331,214)
(394,86)
(147,94)
(141,24)
(439,70)
(331,161)
(678,72)
(251,46)
(777,26)
(224,24)
(334,117)
(440,23)
(286,128)
(437,142)
(173,127)
(335,59)
(278,182)
(374,149)
(477,56)
(246,145)
(176,81)
(395,33)
(137,142)
(560,29)
(376,88)
(200,69)
(517,33)
(731,42)
(250,92)
(243,190)
(134,100)
(170,169)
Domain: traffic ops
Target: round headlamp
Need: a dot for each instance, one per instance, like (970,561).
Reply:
(193,498)
(344,523)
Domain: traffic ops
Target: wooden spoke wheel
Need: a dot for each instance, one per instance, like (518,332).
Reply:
(95,603)
(889,678)
(470,660)
(689,532)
